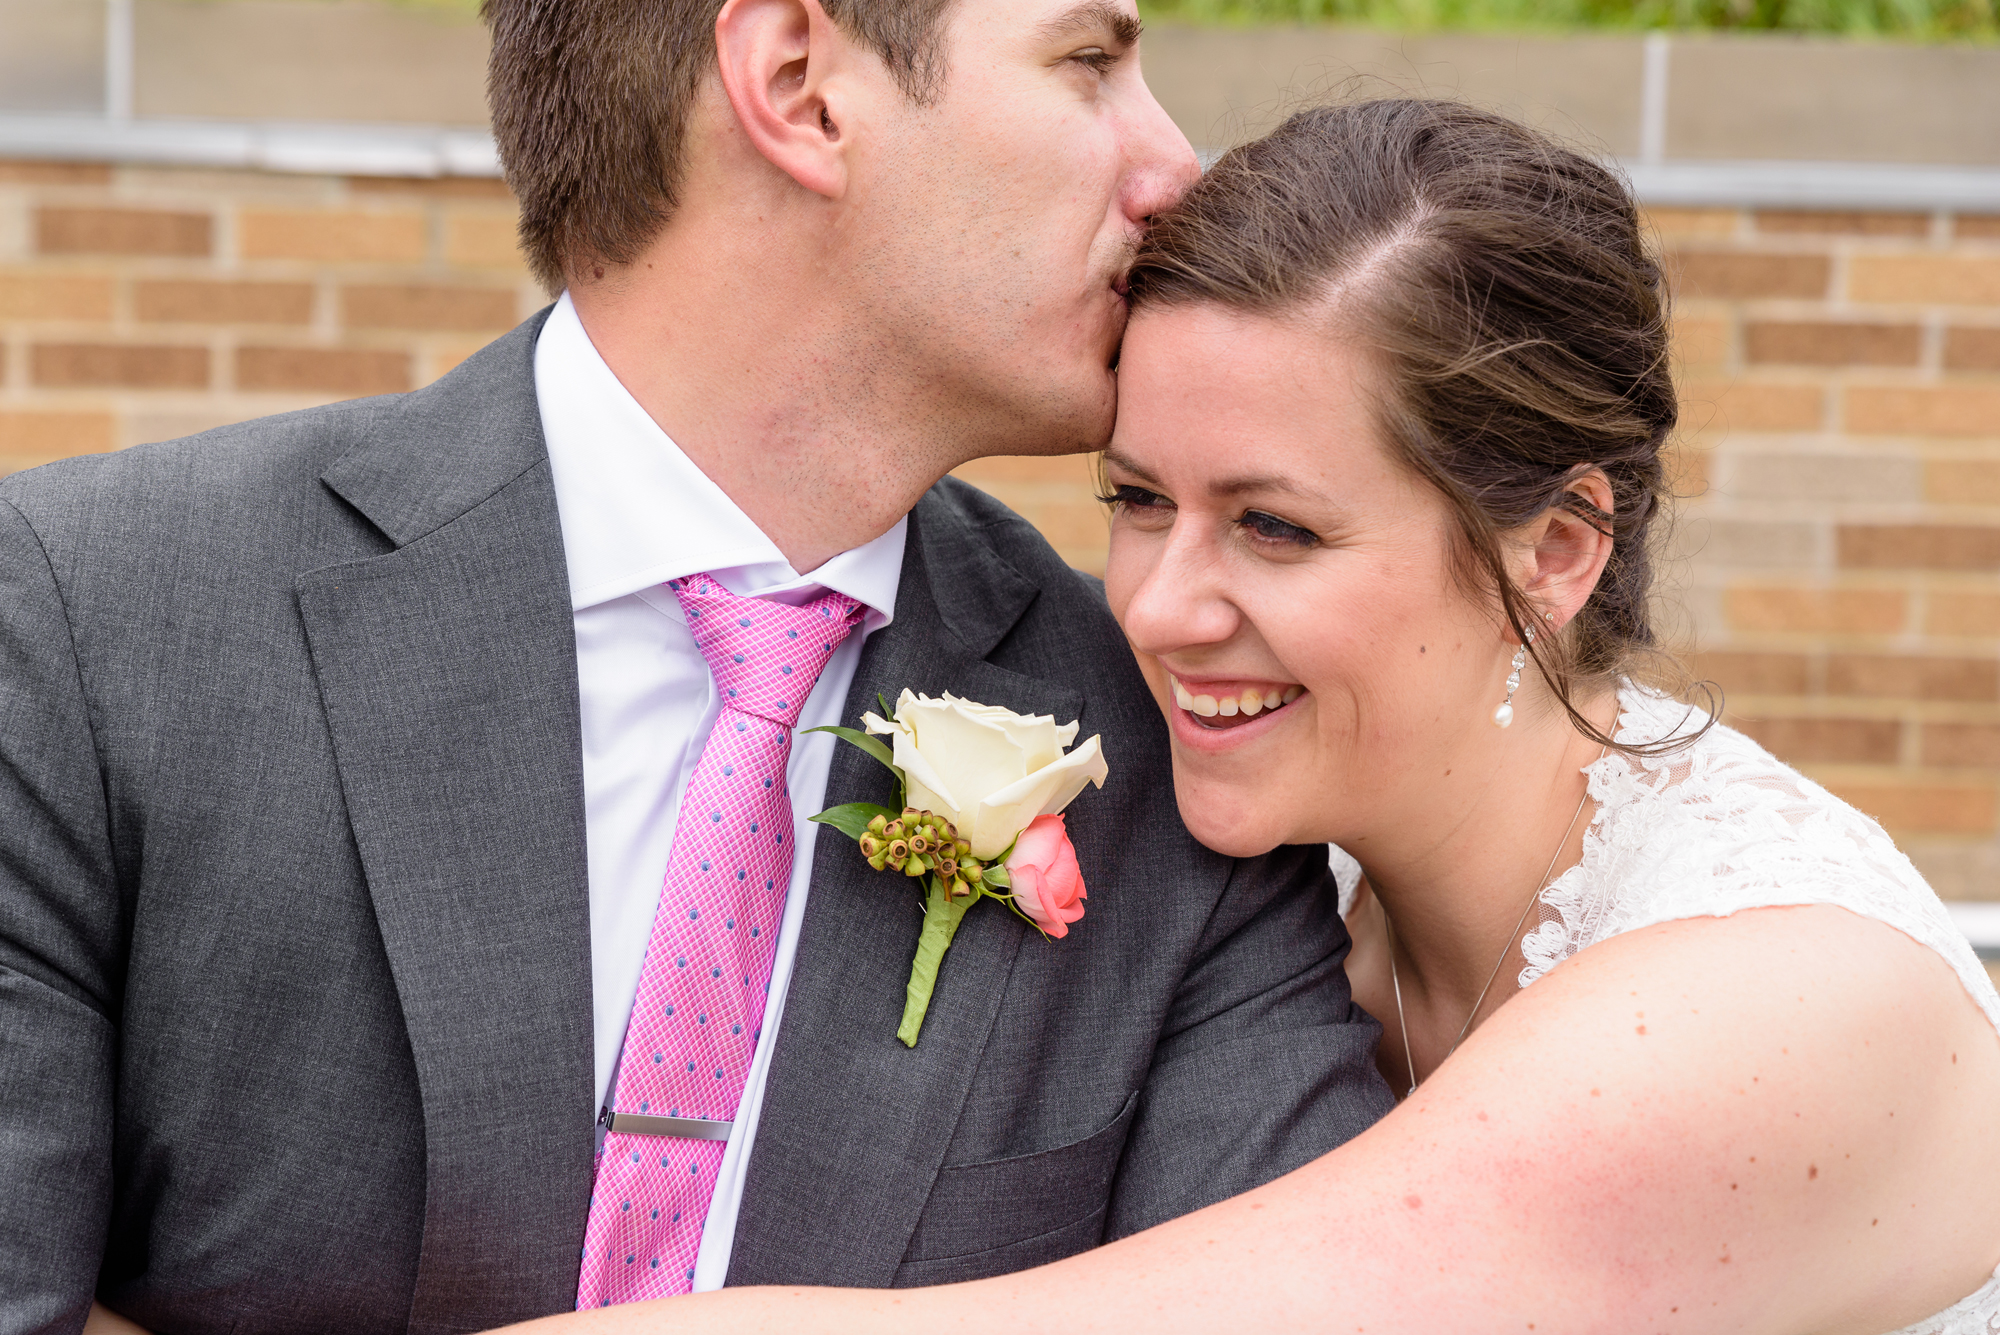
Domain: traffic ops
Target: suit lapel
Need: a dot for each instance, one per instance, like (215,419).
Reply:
(448,672)
(854,1125)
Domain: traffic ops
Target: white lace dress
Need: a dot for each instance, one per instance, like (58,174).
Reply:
(1722,825)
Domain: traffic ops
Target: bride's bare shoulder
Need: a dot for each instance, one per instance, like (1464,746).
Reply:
(1787,1099)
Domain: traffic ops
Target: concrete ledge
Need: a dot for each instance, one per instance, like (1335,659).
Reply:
(360,149)
(1981,925)
(1824,185)
(346,149)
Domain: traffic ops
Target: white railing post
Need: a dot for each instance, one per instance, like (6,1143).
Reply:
(1653,100)
(118,60)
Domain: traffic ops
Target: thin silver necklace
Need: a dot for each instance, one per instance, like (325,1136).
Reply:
(1389,932)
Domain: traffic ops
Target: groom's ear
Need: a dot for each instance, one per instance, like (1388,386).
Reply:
(784,65)
(1568,546)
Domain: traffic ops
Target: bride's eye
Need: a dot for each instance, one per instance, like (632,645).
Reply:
(1270,528)
(1129,497)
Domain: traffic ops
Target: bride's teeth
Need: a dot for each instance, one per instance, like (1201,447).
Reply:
(1253,701)
(1181,696)
(1203,705)
(1227,706)
(1273,698)
(1293,692)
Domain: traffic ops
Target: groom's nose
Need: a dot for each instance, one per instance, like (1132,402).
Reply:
(1164,164)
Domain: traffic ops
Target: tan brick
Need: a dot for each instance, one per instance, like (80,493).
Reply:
(427,306)
(1825,343)
(432,187)
(28,439)
(1079,470)
(1826,222)
(1070,526)
(1924,410)
(121,232)
(1962,612)
(22,171)
(1976,225)
(441,357)
(28,295)
(1971,745)
(1737,405)
(1691,222)
(1752,673)
(483,241)
(119,365)
(1738,274)
(333,236)
(224,303)
(1686,465)
(1956,280)
(1900,677)
(1825,611)
(1963,481)
(1824,477)
(1918,546)
(1733,544)
(1846,741)
(1701,344)
(349,371)
(1933,808)
(1972,349)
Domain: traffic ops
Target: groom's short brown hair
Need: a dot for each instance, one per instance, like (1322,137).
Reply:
(591,98)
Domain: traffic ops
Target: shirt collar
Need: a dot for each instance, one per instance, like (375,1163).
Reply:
(637,512)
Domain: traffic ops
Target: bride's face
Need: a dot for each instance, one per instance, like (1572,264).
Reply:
(1287,585)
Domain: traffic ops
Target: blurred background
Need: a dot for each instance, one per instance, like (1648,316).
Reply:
(216,209)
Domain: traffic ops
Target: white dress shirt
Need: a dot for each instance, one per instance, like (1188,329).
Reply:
(636,512)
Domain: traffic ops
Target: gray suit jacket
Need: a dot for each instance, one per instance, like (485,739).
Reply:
(295,1023)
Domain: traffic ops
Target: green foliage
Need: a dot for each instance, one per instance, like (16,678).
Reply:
(1927,19)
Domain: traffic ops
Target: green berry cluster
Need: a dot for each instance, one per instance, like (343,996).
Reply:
(917,843)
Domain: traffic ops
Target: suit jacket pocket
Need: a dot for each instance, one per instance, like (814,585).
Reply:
(1021,1211)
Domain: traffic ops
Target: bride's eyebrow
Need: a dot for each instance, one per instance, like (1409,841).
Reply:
(1120,459)
(1231,486)
(1237,486)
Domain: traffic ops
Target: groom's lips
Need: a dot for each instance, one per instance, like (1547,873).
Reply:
(1222,705)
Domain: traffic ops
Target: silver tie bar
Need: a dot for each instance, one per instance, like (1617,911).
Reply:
(689,1128)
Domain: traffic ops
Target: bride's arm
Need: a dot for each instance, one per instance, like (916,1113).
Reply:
(1765,1123)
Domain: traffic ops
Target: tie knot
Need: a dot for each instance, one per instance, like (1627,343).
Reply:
(766,656)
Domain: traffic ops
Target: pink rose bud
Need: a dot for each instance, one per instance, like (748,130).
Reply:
(1048,885)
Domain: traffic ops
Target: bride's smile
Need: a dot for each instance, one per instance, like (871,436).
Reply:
(1299,603)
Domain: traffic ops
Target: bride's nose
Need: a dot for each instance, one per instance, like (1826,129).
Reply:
(1181,599)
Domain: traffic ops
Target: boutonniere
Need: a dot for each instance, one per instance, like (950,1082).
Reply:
(982,793)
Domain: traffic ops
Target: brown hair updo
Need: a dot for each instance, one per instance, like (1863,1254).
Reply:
(1520,323)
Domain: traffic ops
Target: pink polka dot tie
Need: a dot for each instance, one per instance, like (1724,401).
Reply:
(700,1006)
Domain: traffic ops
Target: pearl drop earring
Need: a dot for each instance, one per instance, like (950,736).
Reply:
(1504,715)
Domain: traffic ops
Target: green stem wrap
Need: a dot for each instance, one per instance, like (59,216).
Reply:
(941,919)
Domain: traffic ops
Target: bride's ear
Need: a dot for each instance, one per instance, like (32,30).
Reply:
(1564,551)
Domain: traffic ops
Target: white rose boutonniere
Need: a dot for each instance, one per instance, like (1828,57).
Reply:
(973,779)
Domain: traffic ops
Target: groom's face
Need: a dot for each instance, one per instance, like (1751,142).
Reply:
(998,221)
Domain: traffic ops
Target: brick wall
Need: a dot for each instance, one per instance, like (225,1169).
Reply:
(141,303)
(1842,452)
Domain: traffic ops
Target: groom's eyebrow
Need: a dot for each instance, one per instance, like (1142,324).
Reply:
(1092,16)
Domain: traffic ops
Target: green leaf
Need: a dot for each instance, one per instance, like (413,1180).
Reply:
(942,914)
(866,743)
(997,877)
(852,818)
